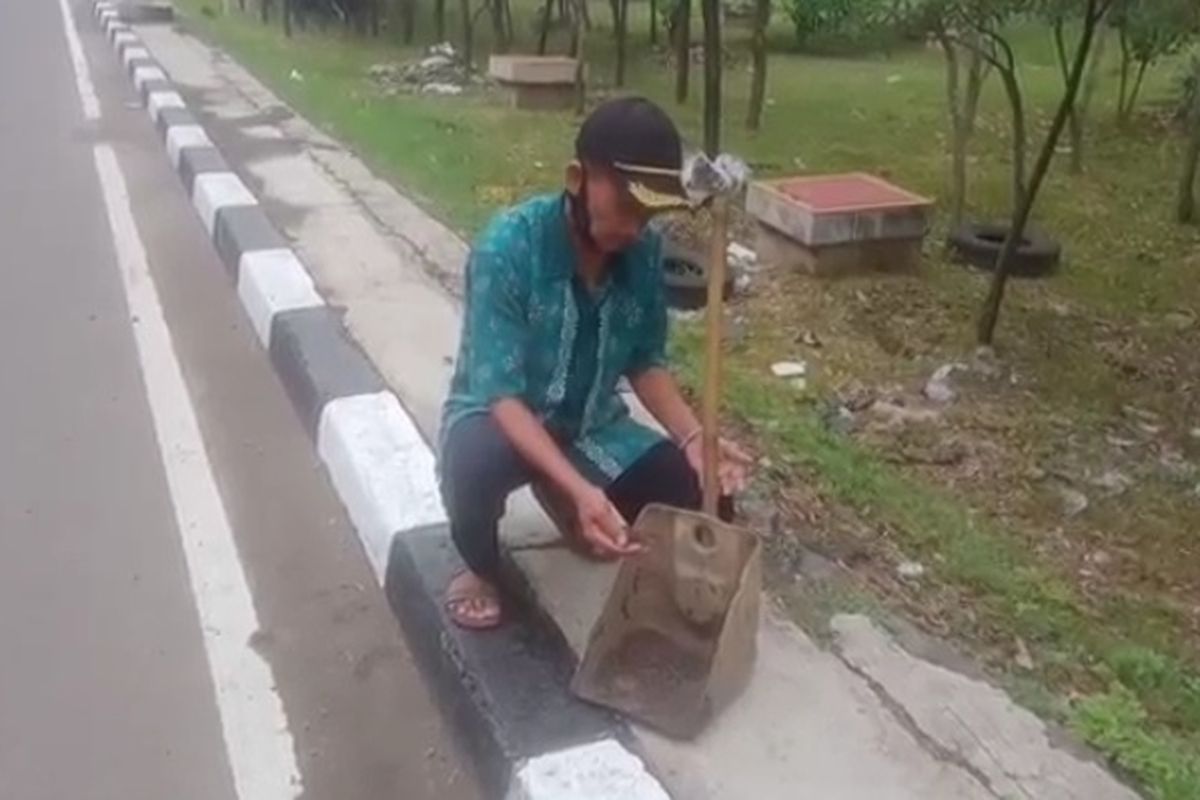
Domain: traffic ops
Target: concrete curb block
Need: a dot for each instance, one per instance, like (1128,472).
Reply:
(507,688)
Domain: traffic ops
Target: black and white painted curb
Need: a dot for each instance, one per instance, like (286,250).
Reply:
(506,690)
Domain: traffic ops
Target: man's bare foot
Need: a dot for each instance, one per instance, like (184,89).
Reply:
(472,602)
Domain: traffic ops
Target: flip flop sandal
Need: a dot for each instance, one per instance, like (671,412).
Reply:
(458,604)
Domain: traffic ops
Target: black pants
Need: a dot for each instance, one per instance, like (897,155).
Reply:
(480,469)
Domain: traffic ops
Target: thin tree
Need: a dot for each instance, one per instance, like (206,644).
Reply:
(653,22)
(1060,18)
(1148,30)
(682,30)
(1186,211)
(963,101)
(408,20)
(994,47)
(544,27)
(500,37)
(439,19)
(968,56)
(579,44)
(711,11)
(621,32)
(758,77)
(1093,12)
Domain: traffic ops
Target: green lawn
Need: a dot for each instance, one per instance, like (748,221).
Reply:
(1004,566)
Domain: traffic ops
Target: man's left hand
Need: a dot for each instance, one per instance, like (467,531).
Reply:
(734,467)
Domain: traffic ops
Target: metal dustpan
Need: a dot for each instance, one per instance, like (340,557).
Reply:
(676,640)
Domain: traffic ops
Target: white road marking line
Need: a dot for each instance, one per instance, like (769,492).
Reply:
(258,742)
(382,469)
(83,80)
(271,282)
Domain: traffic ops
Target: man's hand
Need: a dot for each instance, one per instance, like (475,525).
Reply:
(602,526)
(733,469)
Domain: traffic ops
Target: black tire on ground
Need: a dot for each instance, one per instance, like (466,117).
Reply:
(978,244)
(686,279)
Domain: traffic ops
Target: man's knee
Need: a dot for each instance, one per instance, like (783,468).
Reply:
(480,468)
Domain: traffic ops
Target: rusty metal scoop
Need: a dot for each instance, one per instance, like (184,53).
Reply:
(676,640)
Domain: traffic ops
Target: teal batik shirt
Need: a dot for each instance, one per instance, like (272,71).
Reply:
(533,331)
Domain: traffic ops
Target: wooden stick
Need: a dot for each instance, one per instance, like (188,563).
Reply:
(710,410)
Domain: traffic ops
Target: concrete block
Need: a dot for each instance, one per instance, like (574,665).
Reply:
(540,97)
(145,13)
(271,282)
(173,117)
(318,362)
(827,261)
(533,70)
(195,161)
(506,689)
(838,209)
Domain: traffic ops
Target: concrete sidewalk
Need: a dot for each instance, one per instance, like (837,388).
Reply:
(863,719)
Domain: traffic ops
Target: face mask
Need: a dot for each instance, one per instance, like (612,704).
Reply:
(581,218)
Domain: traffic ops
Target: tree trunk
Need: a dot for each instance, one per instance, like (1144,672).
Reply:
(977,72)
(1186,211)
(990,315)
(1083,108)
(468,34)
(375,14)
(544,33)
(758,79)
(683,48)
(620,20)
(580,36)
(499,28)
(285,12)
(586,13)
(408,19)
(1136,92)
(439,19)
(1020,147)
(264,10)
(1074,123)
(958,132)
(711,11)
(1123,90)
(653,22)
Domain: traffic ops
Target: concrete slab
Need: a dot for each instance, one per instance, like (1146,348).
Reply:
(838,209)
(974,723)
(533,70)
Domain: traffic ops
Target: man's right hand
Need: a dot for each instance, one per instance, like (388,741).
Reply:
(602,526)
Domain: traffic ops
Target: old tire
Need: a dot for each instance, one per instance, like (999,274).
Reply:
(979,244)
(686,278)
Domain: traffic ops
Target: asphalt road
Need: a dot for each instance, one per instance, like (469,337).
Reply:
(148,523)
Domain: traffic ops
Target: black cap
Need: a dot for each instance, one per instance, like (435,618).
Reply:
(636,138)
